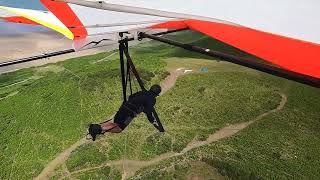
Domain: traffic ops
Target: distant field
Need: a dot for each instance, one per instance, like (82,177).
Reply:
(46,109)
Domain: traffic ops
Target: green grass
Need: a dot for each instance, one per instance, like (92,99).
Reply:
(181,169)
(52,111)
(105,172)
(51,106)
(284,145)
(188,112)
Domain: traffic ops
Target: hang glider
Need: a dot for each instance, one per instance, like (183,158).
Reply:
(283,33)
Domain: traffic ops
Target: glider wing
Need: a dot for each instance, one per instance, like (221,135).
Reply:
(287,36)
(282,33)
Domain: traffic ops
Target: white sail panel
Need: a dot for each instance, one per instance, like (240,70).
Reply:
(290,18)
(97,18)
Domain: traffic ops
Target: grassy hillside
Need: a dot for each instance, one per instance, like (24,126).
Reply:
(284,145)
(44,110)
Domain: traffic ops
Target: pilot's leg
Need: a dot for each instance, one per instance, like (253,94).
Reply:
(111,127)
(95,129)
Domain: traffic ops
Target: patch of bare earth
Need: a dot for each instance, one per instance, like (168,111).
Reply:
(60,159)
(170,81)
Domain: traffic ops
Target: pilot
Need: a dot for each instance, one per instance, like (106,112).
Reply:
(142,101)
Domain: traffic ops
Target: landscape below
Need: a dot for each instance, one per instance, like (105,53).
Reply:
(45,110)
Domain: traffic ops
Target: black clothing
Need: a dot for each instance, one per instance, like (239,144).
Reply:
(142,101)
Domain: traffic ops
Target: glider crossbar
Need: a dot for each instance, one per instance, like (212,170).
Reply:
(155,34)
(267,68)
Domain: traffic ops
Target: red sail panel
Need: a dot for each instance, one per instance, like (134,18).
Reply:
(65,14)
(19,19)
(291,54)
(171,25)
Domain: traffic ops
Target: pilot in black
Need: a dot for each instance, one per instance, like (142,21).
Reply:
(142,101)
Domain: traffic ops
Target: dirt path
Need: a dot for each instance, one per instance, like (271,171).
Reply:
(234,128)
(130,167)
(60,159)
(170,81)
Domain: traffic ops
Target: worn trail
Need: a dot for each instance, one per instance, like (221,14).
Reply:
(130,167)
(62,157)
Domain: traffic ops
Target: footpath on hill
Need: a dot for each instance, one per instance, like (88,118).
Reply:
(130,167)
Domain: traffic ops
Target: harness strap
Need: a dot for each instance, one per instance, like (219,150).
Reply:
(133,68)
(123,76)
(107,121)
(128,78)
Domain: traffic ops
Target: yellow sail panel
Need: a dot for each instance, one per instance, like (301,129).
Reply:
(44,18)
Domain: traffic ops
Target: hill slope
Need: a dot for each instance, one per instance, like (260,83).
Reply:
(45,110)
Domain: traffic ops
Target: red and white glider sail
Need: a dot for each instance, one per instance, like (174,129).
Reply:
(284,33)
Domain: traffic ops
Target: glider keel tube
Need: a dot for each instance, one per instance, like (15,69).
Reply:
(270,69)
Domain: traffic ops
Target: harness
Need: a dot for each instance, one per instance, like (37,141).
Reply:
(126,79)
(131,110)
(124,52)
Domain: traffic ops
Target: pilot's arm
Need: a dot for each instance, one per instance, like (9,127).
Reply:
(149,113)
(152,115)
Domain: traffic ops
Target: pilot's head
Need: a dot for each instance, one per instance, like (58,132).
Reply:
(155,89)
